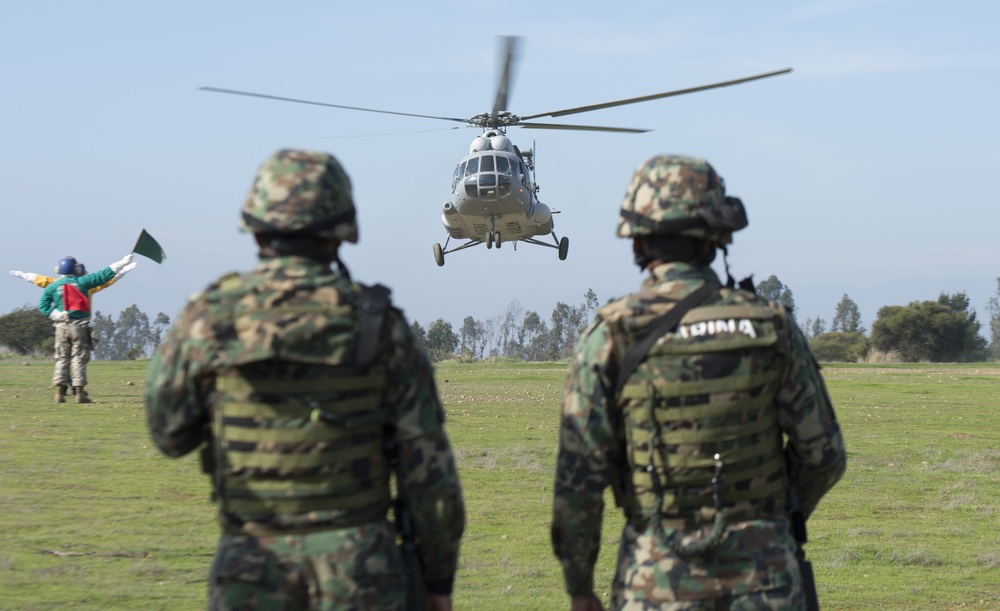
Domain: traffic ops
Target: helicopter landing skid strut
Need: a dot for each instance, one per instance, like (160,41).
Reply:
(441,251)
(561,244)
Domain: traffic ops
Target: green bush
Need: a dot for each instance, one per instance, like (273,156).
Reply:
(25,331)
(840,347)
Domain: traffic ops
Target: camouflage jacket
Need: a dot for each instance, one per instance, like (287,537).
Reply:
(591,447)
(183,372)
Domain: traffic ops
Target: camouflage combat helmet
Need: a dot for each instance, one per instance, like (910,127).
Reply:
(680,196)
(300,192)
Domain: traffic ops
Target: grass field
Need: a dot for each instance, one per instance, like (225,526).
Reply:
(92,517)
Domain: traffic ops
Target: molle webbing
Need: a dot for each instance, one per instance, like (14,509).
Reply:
(734,417)
(301,308)
(276,459)
(238,384)
(676,388)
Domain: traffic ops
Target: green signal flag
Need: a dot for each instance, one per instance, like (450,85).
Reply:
(147,246)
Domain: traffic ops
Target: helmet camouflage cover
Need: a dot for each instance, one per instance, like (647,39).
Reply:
(300,192)
(680,196)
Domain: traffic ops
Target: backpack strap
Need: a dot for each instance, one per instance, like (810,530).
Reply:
(372,304)
(667,323)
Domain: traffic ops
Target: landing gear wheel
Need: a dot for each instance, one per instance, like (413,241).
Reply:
(489,240)
(497,238)
(563,248)
(438,255)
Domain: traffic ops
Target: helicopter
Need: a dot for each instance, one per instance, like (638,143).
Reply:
(494,195)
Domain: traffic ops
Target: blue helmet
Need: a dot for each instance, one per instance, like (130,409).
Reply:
(69,267)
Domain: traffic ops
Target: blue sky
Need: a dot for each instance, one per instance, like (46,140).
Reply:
(867,171)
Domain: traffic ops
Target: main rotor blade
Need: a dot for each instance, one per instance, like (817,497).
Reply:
(655,96)
(274,97)
(503,87)
(584,128)
(398,133)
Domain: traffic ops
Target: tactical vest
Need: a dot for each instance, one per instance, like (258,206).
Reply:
(297,425)
(698,415)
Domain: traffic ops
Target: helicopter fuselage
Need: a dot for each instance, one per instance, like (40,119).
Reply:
(493,192)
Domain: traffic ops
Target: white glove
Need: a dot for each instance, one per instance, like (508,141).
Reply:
(25,276)
(59,316)
(125,270)
(118,265)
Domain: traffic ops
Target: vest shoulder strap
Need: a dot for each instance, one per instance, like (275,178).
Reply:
(668,322)
(372,304)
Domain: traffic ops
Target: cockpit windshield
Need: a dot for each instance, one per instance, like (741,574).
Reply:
(486,177)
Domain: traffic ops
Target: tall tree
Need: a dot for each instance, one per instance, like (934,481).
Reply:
(419,334)
(576,324)
(773,289)
(562,326)
(102,330)
(770,288)
(160,324)
(534,338)
(975,346)
(993,308)
(847,317)
(489,332)
(509,325)
(814,328)
(530,325)
(587,309)
(441,340)
(471,335)
(786,299)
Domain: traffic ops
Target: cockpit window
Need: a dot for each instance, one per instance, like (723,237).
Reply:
(459,173)
(486,177)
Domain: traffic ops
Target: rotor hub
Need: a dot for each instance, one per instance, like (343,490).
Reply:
(501,120)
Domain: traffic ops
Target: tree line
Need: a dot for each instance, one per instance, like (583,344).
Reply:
(130,336)
(514,333)
(945,330)
(942,330)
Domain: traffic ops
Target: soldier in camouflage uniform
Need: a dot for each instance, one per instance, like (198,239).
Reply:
(298,383)
(690,433)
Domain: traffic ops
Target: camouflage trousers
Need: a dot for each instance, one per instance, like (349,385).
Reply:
(348,568)
(751,569)
(73,348)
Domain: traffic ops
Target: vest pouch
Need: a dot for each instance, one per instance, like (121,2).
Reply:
(276,458)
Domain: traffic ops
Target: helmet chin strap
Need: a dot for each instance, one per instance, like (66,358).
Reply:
(730,281)
(342,268)
(745,284)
